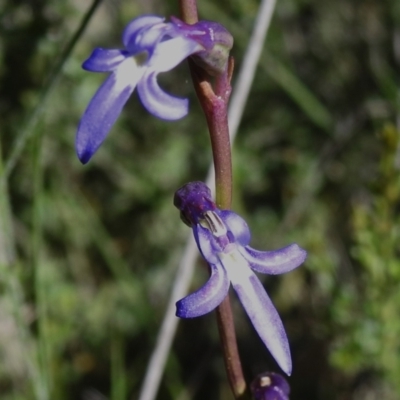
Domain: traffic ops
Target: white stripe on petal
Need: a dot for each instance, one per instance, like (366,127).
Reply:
(132,29)
(104,60)
(159,103)
(204,241)
(169,54)
(207,298)
(104,108)
(259,307)
(275,262)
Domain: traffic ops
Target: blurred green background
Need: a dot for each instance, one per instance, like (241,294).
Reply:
(88,253)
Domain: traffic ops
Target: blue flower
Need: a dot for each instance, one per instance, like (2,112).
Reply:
(223,240)
(270,386)
(151,46)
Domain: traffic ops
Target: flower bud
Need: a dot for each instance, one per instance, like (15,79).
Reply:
(270,386)
(214,38)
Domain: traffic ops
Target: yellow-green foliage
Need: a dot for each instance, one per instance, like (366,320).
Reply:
(367,310)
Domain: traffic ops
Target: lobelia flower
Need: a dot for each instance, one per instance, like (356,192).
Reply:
(152,46)
(223,240)
(270,386)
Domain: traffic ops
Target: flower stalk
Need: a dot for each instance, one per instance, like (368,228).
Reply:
(215,107)
(188,10)
(214,102)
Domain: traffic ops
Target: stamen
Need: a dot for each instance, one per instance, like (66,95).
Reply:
(214,224)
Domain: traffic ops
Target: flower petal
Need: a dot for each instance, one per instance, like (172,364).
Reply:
(104,109)
(237,226)
(207,297)
(275,262)
(205,241)
(159,103)
(166,56)
(170,53)
(259,308)
(147,39)
(130,34)
(104,60)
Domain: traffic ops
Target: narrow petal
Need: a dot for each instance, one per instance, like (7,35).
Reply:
(129,36)
(159,103)
(170,53)
(275,262)
(167,55)
(259,308)
(104,60)
(104,109)
(207,297)
(205,240)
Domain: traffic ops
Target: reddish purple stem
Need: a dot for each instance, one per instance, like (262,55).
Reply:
(214,101)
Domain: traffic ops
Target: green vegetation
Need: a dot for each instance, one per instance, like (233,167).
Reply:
(88,253)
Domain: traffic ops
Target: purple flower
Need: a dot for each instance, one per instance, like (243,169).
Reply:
(270,386)
(223,240)
(152,46)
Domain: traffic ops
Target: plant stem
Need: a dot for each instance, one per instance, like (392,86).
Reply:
(227,334)
(214,101)
(215,108)
(188,9)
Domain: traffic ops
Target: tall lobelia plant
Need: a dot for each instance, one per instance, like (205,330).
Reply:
(151,46)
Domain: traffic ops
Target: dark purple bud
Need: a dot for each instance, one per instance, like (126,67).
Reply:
(270,386)
(215,39)
(193,199)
